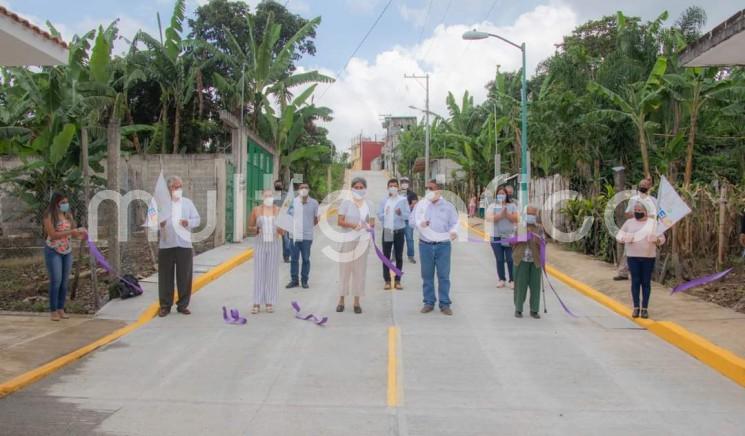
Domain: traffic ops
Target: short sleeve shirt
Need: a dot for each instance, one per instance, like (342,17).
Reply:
(304,218)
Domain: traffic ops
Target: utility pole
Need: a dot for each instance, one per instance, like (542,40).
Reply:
(426,118)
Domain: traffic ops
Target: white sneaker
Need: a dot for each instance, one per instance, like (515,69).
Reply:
(500,284)
(511,285)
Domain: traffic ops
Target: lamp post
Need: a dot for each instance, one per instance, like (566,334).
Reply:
(473,35)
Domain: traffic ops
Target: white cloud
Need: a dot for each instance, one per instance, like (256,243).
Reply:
(368,89)
(416,16)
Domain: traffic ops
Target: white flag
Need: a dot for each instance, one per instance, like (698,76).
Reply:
(670,207)
(285,221)
(160,205)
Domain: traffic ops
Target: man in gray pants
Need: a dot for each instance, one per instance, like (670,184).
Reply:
(176,252)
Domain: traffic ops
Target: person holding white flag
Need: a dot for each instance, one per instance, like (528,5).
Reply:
(176,253)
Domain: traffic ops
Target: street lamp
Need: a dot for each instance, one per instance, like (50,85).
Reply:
(473,35)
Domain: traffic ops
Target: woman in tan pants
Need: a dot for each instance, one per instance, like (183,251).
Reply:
(355,219)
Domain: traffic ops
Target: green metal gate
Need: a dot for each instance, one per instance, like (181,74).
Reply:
(259,168)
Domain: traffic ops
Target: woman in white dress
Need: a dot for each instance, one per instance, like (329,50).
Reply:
(355,219)
(268,252)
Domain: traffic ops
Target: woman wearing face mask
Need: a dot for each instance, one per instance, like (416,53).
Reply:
(58,226)
(641,241)
(354,219)
(503,213)
(527,258)
(268,252)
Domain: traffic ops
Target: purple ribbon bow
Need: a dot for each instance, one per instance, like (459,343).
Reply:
(235,317)
(309,317)
(105,265)
(387,262)
(700,281)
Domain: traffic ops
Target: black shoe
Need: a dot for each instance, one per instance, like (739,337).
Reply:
(305,286)
(287,260)
(412,260)
(163,312)
(535,315)
(635,313)
(619,278)
(340,308)
(292,284)
(357,309)
(518,314)
(645,314)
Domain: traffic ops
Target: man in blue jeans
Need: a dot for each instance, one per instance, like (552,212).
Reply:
(304,211)
(437,221)
(412,198)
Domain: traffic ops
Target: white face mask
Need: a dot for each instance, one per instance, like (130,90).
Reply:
(430,195)
(530,219)
(359,193)
(268,201)
(404,186)
(393,190)
(177,194)
(501,198)
(304,192)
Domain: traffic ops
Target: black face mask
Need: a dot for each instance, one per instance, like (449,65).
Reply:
(639,215)
(643,190)
(278,187)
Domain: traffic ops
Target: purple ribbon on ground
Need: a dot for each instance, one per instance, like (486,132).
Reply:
(235,317)
(105,264)
(309,317)
(700,281)
(387,262)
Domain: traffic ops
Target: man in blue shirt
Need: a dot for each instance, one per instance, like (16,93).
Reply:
(393,213)
(304,212)
(437,222)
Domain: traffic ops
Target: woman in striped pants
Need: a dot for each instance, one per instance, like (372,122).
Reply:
(268,252)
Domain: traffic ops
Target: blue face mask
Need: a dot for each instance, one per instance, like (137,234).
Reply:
(530,219)
(64,207)
(501,198)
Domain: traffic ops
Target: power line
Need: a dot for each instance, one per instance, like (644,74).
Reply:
(426,19)
(364,38)
(442,20)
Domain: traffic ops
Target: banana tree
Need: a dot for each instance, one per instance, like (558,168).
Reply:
(636,102)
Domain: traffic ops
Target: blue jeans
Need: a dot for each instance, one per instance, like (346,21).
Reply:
(435,257)
(300,248)
(286,246)
(409,234)
(641,269)
(58,266)
(502,254)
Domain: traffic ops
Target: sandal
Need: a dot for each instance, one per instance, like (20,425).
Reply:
(357,309)
(255,309)
(269,308)
(340,308)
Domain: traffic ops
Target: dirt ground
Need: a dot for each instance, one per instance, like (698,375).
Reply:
(23,280)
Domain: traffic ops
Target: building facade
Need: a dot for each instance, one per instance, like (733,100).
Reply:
(394,126)
(363,152)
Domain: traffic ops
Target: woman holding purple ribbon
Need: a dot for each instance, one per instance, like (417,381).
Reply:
(355,220)
(59,228)
(528,266)
(641,241)
(503,214)
(268,246)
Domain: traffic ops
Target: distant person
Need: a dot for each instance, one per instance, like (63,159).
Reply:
(510,192)
(409,229)
(279,201)
(355,219)
(528,269)
(176,253)
(472,203)
(59,228)
(639,237)
(393,213)
(304,210)
(437,222)
(503,214)
(644,189)
(268,247)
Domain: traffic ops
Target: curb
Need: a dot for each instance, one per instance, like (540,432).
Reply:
(720,359)
(146,316)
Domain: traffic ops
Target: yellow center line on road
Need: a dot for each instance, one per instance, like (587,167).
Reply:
(393,383)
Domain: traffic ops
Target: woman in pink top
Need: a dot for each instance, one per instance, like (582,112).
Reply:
(641,242)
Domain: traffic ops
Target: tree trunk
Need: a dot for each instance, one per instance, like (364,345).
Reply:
(722,225)
(176,130)
(135,137)
(164,129)
(86,197)
(200,95)
(644,149)
(112,169)
(689,154)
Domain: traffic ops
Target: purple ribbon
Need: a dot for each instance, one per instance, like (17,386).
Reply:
(105,265)
(700,281)
(235,317)
(309,317)
(387,262)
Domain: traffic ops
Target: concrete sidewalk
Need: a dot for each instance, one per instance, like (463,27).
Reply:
(28,341)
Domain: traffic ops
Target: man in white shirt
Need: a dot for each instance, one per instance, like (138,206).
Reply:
(176,253)
(642,195)
(304,212)
(393,213)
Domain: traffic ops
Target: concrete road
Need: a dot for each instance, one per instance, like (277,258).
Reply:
(480,372)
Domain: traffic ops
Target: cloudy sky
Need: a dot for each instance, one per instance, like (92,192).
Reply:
(413,36)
